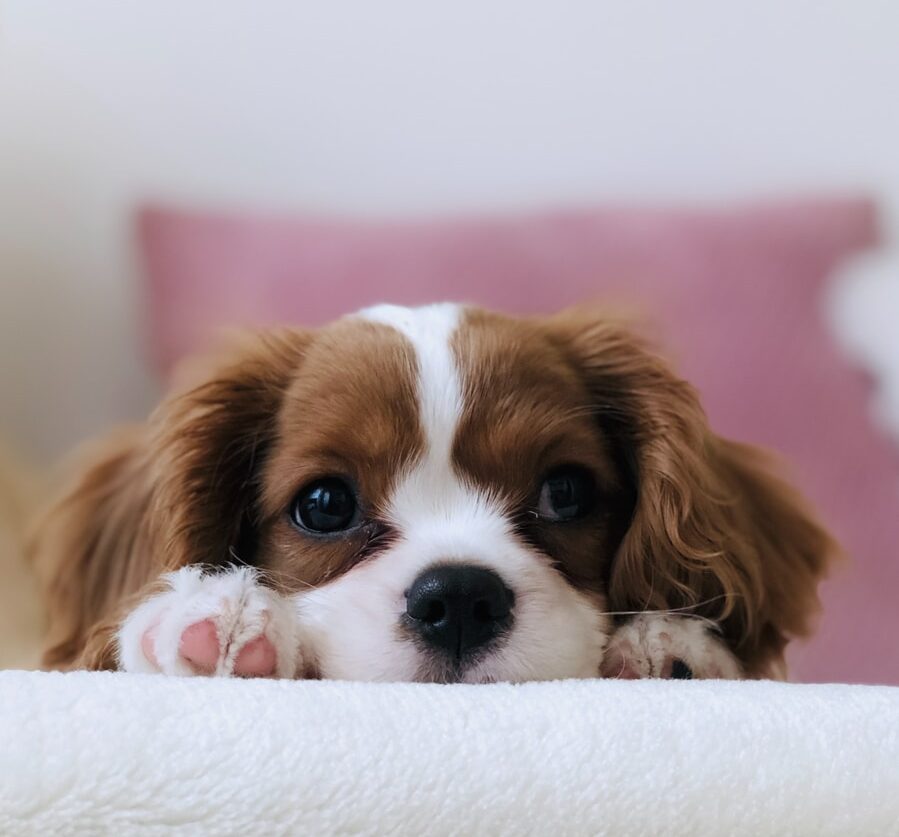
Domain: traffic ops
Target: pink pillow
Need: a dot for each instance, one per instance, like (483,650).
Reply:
(738,296)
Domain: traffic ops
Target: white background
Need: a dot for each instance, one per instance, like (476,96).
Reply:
(381,106)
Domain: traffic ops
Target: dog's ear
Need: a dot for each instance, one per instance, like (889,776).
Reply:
(90,543)
(210,441)
(177,490)
(713,529)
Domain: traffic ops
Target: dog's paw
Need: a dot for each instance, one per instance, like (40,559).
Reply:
(221,624)
(668,647)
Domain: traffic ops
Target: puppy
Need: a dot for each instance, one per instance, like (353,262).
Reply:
(438,494)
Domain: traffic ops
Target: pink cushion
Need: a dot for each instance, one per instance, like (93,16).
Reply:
(738,296)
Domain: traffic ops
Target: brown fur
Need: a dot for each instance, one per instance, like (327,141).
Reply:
(528,411)
(157,497)
(689,520)
(352,412)
(715,530)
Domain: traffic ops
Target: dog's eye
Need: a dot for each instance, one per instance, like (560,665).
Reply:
(328,505)
(566,494)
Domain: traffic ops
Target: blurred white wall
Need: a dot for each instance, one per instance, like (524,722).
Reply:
(392,106)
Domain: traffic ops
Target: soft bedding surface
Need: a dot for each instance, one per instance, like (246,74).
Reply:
(133,754)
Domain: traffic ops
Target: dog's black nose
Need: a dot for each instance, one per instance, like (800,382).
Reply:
(458,608)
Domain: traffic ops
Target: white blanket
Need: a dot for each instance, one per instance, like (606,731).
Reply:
(132,754)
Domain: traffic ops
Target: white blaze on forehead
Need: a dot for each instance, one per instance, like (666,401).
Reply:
(430,330)
(432,494)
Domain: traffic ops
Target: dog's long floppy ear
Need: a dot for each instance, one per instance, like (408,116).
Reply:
(713,529)
(210,441)
(90,545)
(177,490)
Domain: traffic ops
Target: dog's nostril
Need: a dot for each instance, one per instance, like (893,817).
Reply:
(435,610)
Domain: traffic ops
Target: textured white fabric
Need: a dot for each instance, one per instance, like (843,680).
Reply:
(138,754)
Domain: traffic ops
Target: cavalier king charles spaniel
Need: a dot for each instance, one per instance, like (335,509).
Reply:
(436,494)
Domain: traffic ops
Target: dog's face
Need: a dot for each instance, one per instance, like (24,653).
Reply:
(452,495)
(441,487)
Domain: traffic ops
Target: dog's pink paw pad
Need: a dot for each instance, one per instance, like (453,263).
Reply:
(256,659)
(618,667)
(200,646)
(628,673)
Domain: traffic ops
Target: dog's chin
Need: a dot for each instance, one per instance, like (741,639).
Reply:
(495,664)
(512,658)
(473,668)
(447,675)
(444,672)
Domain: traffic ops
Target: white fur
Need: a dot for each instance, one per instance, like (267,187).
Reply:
(365,647)
(649,642)
(240,608)
(351,624)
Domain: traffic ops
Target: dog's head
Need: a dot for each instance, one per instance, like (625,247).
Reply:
(448,494)
(455,495)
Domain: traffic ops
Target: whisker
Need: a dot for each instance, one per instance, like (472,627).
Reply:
(276,578)
(678,610)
